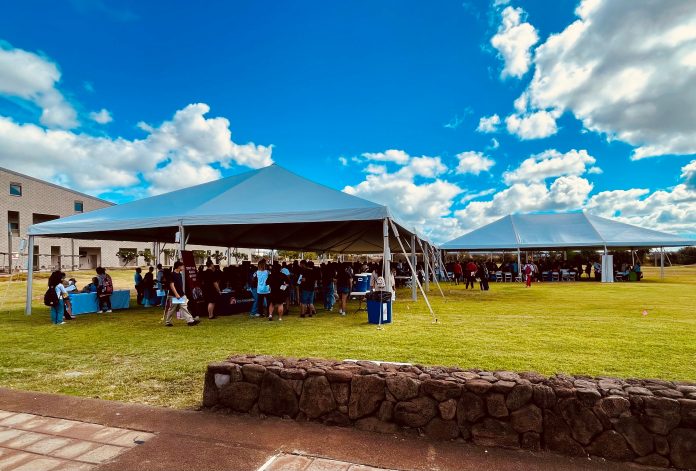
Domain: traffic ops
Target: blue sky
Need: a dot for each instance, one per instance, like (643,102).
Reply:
(126,99)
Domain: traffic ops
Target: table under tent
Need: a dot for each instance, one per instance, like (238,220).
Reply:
(268,208)
(564,231)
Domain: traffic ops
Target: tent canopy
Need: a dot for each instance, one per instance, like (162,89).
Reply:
(561,230)
(266,208)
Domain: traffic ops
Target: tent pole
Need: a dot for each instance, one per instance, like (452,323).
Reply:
(414,287)
(426,248)
(386,261)
(426,269)
(30,276)
(662,263)
(182,247)
(519,262)
(413,270)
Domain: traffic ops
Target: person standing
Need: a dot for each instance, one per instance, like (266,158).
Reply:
(344,281)
(457,269)
(211,287)
(58,308)
(148,285)
(252,287)
(106,289)
(470,274)
(279,284)
(328,280)
(262,289)
(178,299)
(528,271)
(138,280)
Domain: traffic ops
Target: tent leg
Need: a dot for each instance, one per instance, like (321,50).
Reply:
(429,262)
(414,287)
(413,270)
(426,269)
(662,263)
(182,247)
(30,276)
(519,262)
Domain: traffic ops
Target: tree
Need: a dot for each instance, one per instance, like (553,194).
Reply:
(147,256)
(127,256)
(217,256)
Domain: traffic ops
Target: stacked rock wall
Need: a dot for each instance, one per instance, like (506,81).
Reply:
(647,421)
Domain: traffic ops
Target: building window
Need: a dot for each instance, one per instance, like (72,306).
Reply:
(15,189)
(79,206)
(13,222)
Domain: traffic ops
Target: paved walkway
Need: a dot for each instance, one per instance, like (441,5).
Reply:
(154,438)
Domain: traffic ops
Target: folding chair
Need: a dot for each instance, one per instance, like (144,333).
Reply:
(508,277)
(498,276)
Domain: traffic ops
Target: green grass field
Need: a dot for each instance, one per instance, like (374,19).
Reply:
(578,328)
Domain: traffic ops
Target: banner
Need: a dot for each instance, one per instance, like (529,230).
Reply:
(193,284)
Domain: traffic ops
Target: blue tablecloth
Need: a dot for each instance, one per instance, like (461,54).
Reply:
(84,303)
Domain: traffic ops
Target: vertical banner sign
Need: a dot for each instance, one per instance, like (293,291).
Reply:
(193,284)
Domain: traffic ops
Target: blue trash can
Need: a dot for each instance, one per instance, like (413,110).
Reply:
(361,282)
(379,307)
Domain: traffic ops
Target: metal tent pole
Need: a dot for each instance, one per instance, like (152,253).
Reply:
(387,257)
(414,287)
(519,262)
(426,268)
(182,247)
(30,276)
(662,263)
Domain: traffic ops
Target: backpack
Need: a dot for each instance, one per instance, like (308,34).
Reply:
(528,270)
(50,297)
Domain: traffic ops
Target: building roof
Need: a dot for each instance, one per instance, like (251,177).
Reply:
(44,182)
(561,230)
(265,208)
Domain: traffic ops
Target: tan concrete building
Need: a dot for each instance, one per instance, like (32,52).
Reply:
(26,200)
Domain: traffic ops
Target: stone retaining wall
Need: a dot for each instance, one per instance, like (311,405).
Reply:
(647,421)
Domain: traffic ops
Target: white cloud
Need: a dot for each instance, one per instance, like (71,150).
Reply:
(494,144)
(415,193)
(98,164)
(514,41)
(536,125)
(488,124)
(689,174)
(626,69)
(478,194)
(343,161)
(564,193)
(499,3)
(473,162)
(34,78)
(551,163)
(102,116)
(392,155)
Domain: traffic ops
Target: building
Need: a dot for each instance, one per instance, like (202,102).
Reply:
(26,200)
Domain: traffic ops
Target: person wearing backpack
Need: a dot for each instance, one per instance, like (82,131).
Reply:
(528,271)
(105,290)
(54,297)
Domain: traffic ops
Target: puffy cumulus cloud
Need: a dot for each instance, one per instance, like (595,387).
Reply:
(625,68)
(34,78)
(564,193)
(514,41)
(672,210)
(99,164)
(102,116)
(551,163)
(488,123)
(535,125)
(392,155)
(416,193)
(473,162)
(689,174)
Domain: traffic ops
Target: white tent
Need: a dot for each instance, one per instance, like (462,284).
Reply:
(517,232)
(266,208)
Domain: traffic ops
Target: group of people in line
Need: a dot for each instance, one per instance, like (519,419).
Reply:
(59,290)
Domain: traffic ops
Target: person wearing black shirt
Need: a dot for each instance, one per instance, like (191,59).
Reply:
(307,285)
(211,287)
(328,283)
(176,288)
(344,283)
(279,283)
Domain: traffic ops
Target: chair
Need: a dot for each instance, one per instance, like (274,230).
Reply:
(546,276)
(618,276)
(519,278)
(564,274)
(498,276)
(508,277)
(572,276)
(555,276)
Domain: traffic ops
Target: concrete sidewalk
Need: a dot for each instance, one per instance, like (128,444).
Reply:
(189,440)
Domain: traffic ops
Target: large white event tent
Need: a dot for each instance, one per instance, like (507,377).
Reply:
(578,230)
(266,208)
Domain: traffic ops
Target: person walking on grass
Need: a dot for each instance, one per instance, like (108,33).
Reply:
(178,299)
(528,272)
(211,287)
(344,282)
(457,269)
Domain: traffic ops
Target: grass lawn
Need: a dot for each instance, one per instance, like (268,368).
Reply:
(577,328)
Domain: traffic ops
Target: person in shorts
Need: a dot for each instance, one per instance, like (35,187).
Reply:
(308,284)
(279,283)
(211,287)
(262,289)
(344,282)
